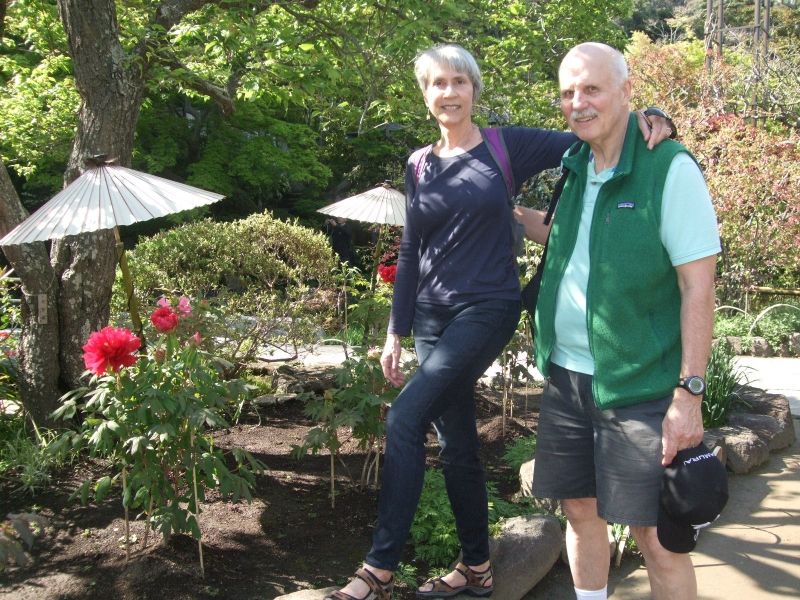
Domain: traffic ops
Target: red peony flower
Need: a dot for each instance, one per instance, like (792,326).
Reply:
(387,272)
(164,319)
(110,347)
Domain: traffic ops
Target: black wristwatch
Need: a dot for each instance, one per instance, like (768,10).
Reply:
(693,384)
(653,111)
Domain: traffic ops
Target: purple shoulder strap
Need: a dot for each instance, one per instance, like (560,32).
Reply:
(497,148)
(418,160)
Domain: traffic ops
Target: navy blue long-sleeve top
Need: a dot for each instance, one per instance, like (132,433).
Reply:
(457,243)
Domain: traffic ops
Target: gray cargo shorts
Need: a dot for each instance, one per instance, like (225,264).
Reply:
(613,455)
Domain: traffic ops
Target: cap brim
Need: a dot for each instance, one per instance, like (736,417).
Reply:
(675,537)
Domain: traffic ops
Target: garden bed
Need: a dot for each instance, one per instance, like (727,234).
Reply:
(288,538)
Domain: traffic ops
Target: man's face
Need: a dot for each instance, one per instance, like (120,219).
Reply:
(594,101)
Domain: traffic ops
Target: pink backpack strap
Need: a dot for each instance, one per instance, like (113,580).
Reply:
(418,160)
(499,151)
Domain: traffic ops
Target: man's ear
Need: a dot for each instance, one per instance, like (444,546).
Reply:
(626,89)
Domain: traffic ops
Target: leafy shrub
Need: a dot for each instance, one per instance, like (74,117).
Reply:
(358,404)
(775,323)
(148,417)
(726,324)
(723,378)
(206,258)
(756,205)
(275,272)
(433,531)
(520,451)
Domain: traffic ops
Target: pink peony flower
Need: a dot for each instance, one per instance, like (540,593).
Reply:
(110,347)
(184,308)
(196,339)
(164,319)
(163,302)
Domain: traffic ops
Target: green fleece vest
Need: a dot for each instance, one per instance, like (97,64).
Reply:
(632,301)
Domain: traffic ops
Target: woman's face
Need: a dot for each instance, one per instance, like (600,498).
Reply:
(449,96)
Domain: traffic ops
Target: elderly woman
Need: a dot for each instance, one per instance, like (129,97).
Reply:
(457,289)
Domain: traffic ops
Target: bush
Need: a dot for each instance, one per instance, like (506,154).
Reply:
(357,404)
(723,378)
(276,273)
(756,204)
(149,415)
(207,258)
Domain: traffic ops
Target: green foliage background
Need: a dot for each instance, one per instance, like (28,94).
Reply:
(325,103)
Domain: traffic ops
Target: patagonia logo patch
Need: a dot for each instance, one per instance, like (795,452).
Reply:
(626,205)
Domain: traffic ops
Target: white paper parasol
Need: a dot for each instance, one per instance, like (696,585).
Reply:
(105,197)
(382,204)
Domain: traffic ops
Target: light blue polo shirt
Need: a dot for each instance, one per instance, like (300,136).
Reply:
(688,232)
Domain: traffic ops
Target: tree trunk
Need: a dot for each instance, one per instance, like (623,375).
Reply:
(38,348)
(68,298)
(111,86)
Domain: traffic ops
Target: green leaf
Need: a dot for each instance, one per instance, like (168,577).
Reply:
(101,488)
(307,47)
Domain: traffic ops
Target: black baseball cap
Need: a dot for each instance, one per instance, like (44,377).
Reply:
(694,490)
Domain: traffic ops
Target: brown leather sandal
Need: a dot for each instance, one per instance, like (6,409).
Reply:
(475,584)
(378,590)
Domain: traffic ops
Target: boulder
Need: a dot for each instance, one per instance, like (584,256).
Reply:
(745,450)
(547,505)
(273,399)
(773,433)
(761,347)
(794,344)
(778,435)
(526,479)
(308,594)
(523,553)
(735,343)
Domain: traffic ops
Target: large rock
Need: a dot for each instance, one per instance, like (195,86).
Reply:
(523,553)
(794,344)
(745,450)
(309,594)
(763,424)
(773,433)
(760,402)
(761,347)
(548,505)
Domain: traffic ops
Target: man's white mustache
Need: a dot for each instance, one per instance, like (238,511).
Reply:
(583,114)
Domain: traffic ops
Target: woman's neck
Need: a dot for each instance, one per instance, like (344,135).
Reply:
(457,140)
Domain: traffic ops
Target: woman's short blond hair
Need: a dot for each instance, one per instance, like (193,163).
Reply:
(452,56)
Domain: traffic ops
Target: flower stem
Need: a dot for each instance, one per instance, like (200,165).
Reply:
(127,520)
(196,506)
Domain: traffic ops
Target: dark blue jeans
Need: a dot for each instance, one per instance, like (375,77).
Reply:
(455,345)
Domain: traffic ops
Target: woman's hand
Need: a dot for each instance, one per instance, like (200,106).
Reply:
(390,360)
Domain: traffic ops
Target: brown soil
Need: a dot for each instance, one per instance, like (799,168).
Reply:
(289,538)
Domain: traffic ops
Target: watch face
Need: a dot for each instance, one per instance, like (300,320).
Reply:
(695,385)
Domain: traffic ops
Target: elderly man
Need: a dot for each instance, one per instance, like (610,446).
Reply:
(623,325)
